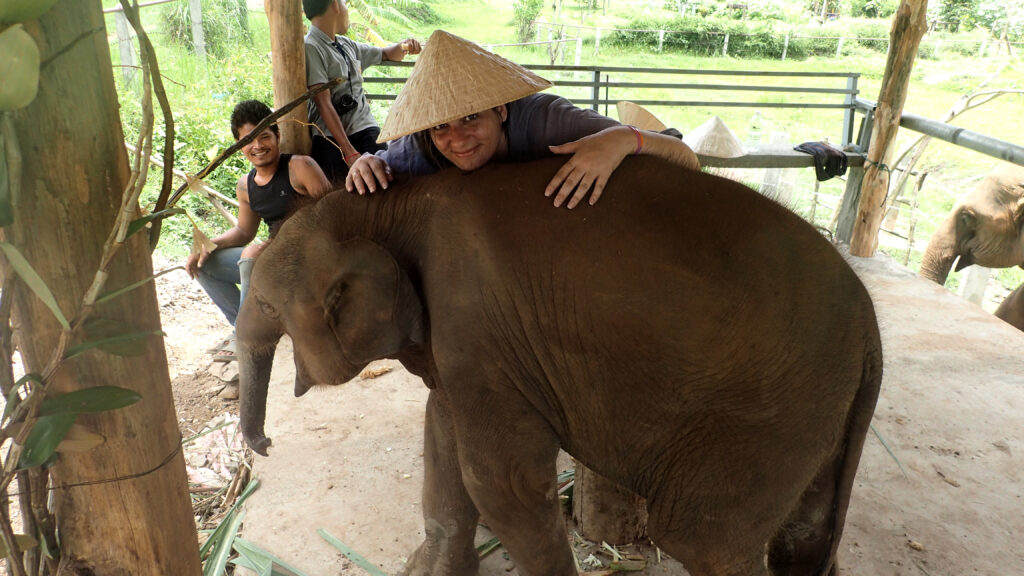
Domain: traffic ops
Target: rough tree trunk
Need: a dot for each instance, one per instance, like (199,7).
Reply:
(73,172)
(909,25)
(289,68)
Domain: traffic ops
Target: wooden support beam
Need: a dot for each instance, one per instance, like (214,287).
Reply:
(909,25)
(289,71)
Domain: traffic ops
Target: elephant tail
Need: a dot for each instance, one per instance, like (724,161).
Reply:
(809,540)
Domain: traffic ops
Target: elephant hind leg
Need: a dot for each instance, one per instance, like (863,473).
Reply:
(804,544)
(706,548)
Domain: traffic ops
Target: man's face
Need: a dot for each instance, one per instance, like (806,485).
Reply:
(341,23)
(263,150)
(471,141)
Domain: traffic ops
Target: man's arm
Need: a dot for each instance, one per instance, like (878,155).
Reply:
(307,178)
(396,52)
(241,234)
(333,122)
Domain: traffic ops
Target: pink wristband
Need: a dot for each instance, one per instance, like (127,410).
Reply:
(639,139)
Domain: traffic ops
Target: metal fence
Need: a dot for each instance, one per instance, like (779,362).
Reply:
(828,90)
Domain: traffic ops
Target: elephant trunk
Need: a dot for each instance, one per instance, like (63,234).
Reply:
(253,381)
(258,336)
(941,252)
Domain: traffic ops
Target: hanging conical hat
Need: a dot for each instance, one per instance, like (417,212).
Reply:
(636,115)
(714,138)
(452,78)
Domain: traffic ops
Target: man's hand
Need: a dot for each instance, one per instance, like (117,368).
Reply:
(195,262)
(411,46)
(366,174)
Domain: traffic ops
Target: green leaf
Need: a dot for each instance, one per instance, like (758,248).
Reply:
(218,559)
(139,223)
(112,337)
(95,399)
(24,541)
(42,441)
(218,533)
(488,547)
(13,399)
(29,276)
(351,554)
(259,560)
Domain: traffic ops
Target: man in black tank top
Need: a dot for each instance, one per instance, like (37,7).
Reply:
(270,192)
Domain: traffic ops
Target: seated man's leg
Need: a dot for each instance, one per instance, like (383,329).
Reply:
(219,277)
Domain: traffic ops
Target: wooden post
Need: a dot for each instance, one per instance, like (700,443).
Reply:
(289,72)
(661,39)
(785,46)
(125,48)
(725,46)
(606,512)
(579,48)
(195,9)
(908,28)
(597,41)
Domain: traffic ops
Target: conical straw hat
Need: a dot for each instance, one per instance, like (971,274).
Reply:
(714,138)
(452,78)
(636,115)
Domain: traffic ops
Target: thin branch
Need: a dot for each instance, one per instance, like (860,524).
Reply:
(238,145)
(164,76)
(149,56)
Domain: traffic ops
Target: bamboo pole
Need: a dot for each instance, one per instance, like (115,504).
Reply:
(289,71)
(908,28)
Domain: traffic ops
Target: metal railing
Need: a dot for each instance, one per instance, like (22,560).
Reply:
(837,90)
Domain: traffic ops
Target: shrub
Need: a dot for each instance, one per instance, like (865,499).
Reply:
(525,14)
(225,25)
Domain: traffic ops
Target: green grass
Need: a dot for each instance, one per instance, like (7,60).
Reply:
(202,97)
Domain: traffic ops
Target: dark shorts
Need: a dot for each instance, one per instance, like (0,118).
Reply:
(328,156)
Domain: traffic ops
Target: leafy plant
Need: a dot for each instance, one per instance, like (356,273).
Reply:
(225,25)
(525,14)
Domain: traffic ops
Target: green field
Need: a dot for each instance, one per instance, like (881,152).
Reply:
(202,95)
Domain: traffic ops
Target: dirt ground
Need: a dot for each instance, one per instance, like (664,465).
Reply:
(349,459)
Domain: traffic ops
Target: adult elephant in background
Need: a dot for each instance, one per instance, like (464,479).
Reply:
(985,227)
(740,343)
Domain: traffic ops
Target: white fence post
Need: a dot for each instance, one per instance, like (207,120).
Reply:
(579,48)
(127,51)
(198,39)
(597,41)
(839,47)
(785,46)
(537,35)
(661,39)
(725,46)
(981,51)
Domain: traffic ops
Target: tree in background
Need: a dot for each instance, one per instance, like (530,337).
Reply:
(525,14)
(1004,19)
(956,13)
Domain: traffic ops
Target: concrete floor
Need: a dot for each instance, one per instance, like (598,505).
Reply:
(349,460)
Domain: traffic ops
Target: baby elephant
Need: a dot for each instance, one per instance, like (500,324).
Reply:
(686,338)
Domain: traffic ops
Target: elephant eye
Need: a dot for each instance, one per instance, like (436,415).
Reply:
(266,308)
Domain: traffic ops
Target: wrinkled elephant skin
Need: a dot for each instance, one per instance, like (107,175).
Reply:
(1011,310)
(985,227)
(685,338)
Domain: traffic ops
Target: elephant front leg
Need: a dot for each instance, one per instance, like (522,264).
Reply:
(508,467)
(448,513)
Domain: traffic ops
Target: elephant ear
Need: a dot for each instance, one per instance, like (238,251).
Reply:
(371,304)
